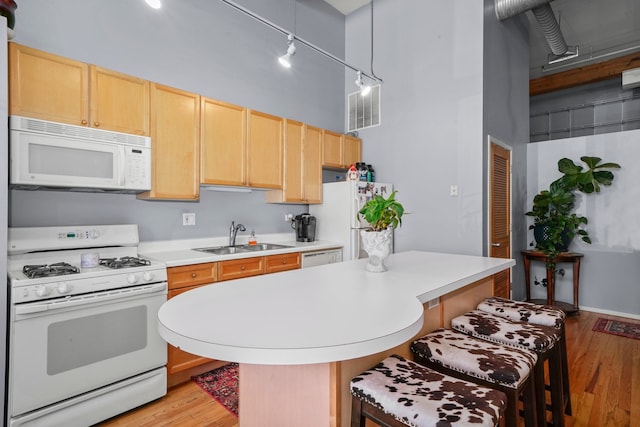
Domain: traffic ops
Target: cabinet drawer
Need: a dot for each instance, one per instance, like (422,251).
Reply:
(189,275)
(283,262)
(237,268)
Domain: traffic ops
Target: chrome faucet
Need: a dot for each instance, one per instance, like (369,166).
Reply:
(233,231)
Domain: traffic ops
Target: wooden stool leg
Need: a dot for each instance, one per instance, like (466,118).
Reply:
(566,390)
(557,393)
(511,413)
(357,418)
(539,387)
(529,403)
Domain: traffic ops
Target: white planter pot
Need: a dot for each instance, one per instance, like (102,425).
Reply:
(378,246)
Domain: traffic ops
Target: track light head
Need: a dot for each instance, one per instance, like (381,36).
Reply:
(155,4)
(285,60)
(364,89)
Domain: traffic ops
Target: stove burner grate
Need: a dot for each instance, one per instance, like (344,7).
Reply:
(124,262)
(50,270)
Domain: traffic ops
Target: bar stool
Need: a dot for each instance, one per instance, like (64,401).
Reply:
(399,392)
(538,315)
(504,368)
(541,339)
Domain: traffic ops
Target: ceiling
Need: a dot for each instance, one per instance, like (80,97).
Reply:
(602,29)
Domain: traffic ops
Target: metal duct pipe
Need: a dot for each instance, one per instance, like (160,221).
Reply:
(508,8)
(551,29)
(543,14)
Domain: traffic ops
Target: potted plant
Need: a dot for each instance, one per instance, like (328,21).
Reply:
(383,215)
(554,223)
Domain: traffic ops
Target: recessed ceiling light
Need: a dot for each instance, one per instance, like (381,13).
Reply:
(156,4)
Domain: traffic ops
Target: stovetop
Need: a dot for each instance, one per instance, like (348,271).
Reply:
(53,268)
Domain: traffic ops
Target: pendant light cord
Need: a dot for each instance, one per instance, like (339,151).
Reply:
(371,65)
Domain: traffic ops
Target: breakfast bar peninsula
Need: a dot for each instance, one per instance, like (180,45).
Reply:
(301,335)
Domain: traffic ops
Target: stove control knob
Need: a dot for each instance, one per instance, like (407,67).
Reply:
(42,291)
(147,276)
(94,234)
(64,288)
(132,279)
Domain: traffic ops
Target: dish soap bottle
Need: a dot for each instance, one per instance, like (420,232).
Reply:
(252,238)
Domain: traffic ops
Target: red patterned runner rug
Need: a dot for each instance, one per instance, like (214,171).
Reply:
(617,327)
(222,385)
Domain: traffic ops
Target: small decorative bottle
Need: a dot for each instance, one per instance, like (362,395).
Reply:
(252,238)
(352,173)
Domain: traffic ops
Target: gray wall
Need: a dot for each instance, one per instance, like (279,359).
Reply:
(429,55)
(452,75)
(506,103)
(202,46)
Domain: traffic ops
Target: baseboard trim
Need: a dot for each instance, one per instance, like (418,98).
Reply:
(611,313)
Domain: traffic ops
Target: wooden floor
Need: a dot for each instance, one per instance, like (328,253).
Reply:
(604,375)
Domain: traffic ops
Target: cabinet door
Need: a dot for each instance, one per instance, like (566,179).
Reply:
(47,87)
(179,360)
(293,158)
(119,102)
(190,275)
(237,268)
(352,150)
(175,133)
(332,150)
(283,262)
(264,150)
(312,165)
(223,143)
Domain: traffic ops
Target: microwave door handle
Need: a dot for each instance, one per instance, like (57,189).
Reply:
(122,154)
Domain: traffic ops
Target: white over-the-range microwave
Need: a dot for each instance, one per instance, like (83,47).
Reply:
(49,155)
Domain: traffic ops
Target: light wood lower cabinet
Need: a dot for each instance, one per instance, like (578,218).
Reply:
(283,262)
(182,279)
(238,268)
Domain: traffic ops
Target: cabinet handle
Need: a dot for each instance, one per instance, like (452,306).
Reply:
(284,261)
(84,122)
(193,275)
(242,267)
(495,245)
(96,124)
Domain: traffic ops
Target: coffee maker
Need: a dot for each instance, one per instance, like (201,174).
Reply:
(305,226)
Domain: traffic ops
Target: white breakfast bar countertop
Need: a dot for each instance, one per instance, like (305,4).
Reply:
(322,314)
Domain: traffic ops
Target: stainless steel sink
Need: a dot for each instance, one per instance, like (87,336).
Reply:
(230,250)
(222,250)
(264,247)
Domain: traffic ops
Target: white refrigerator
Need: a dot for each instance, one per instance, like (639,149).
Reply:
(337,216)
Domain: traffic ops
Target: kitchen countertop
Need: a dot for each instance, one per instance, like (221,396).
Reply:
(328,313)
(175,253)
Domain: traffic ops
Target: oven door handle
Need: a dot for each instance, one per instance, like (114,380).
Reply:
(90,299)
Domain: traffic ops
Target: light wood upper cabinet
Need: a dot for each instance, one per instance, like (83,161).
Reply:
(332,150)
(118,102)
(223,143)
(340,151)
(47,87)
(351,150)
(302,165)
(51,87)
(264,150)
(175,156)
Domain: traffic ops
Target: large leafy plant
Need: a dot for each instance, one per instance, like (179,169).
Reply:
(382,213)
(552,208)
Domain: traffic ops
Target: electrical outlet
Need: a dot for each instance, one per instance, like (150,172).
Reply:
(188,219)
(288,217)
(434,303)
(453,190)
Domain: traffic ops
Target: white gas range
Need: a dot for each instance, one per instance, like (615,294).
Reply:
(83,339)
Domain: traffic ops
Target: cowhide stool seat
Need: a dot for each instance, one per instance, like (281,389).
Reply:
(497,366)
(541,339)
(399,392)
(538,315)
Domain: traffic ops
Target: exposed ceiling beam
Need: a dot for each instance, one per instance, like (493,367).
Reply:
(583,75)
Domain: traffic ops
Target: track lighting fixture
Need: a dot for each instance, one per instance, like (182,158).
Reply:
(364,89)
(285,60)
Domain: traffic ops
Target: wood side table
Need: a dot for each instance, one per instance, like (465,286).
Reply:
(572,257)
